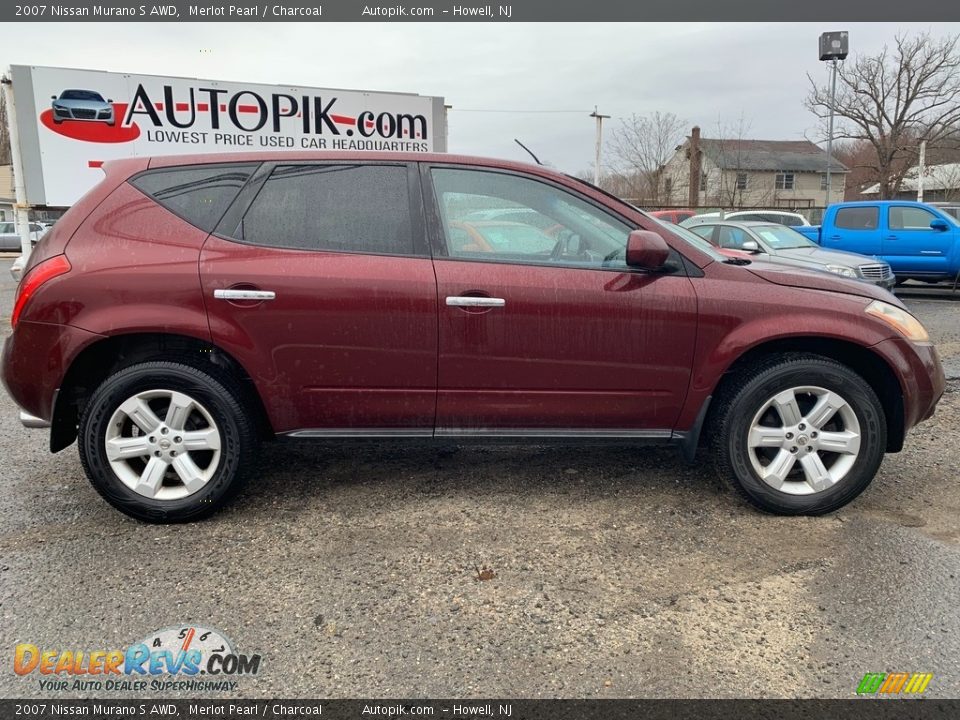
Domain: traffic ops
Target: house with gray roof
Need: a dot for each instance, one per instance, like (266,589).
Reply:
(739,173)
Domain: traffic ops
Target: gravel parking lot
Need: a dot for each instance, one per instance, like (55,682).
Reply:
(617,571)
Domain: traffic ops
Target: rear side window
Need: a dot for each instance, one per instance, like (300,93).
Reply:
(198,194)
(857,218)
(345,208)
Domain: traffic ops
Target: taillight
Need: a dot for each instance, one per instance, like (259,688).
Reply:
(38,275)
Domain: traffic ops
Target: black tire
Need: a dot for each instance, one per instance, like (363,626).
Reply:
(748,391)
(234,419)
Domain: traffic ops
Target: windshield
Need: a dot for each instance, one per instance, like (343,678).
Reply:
(81,95)
(780,237)
(692,238)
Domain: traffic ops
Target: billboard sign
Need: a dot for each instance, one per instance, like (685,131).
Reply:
(71,121)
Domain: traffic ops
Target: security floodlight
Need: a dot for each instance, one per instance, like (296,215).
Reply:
(834,45)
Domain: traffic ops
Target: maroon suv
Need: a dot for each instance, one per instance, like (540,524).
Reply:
(189,307)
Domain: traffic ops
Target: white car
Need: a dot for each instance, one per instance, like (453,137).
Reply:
(10,238)
(16,270)
(781,217)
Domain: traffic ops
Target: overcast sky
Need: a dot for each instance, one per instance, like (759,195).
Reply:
(706,73)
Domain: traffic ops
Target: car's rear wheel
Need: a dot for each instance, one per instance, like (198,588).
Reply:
(799,434)
(166,442)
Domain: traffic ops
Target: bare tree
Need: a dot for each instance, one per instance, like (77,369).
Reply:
(641,146)
(895,100)
(5,158)
(727,189)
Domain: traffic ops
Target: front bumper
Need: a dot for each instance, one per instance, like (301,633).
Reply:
(921,376)
(886,283)
(106,116)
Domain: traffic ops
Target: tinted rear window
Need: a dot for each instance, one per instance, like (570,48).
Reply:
(198,194)
(346,208)
(857,218)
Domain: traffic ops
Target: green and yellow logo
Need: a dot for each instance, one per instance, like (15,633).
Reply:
(894,683)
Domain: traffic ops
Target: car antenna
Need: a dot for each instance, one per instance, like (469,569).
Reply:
(529,151)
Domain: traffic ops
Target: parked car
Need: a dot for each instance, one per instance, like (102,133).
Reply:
(673,216)
(781,217)
(86,105)
(187,308)
(16,268)
(10,238)
(950,208)
(919,241)
(781,244)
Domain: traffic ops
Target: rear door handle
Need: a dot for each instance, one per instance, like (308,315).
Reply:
(228,294)
(467,301)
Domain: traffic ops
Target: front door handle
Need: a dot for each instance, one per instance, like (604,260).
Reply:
(482,302)
(231,294)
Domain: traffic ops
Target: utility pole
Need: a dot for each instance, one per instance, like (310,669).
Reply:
(921,170)
(21,210)
(833,46)
(596,162)
(833,102)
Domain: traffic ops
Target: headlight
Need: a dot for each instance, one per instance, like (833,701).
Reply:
(842,270)
(900,320)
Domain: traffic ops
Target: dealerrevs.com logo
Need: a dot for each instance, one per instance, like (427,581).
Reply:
(186,657)
(203,115)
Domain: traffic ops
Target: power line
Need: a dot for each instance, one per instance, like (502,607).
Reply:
(485,110)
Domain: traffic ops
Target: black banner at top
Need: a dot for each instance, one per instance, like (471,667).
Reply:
(474,11)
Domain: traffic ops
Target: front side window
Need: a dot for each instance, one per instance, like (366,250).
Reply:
(343,208)
(785,181)
(857,218)
(910,218)
(704,231)
(507,218)
(732,238)
(200,194)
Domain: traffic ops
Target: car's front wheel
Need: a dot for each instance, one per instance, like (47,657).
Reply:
(799,434)
(166,442)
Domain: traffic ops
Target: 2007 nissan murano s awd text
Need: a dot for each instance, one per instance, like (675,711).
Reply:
(188,308)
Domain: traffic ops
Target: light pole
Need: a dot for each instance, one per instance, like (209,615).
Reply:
(833,46)
(596,162)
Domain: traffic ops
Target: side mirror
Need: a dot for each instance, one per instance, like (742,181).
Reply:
(750,246)
(939,224)
(53,97)
(109,100)
(646,250)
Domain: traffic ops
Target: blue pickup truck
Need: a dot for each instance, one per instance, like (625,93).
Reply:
(919,241)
